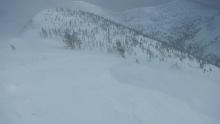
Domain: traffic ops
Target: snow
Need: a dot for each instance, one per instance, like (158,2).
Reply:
(160,21)
(100,34)
(41,82)
(89,7)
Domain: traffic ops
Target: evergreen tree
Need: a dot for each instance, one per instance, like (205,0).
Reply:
(72,40)
(120,49)
(44,33)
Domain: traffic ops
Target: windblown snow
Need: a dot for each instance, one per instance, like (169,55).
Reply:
(42,82)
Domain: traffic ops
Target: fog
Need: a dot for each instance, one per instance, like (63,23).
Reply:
(159,64)
(15,13)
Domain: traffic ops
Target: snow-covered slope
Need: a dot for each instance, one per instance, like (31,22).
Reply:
(186,24)
(43,83)
(98,33)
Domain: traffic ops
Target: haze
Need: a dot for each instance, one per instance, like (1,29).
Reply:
(15,13)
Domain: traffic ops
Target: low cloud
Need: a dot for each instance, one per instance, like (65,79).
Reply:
(15,13)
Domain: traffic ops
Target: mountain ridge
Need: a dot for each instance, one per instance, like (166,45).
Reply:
(100,33)
(187,24)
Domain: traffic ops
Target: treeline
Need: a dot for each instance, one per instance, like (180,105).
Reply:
(83,30)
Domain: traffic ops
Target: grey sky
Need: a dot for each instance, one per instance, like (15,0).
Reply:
(14,13)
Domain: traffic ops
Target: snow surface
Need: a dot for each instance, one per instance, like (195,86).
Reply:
(41,82)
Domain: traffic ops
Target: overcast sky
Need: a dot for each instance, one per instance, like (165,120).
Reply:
(14,13)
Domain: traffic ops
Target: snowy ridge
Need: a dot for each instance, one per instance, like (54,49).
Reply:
(98,33)
(185,24)
(42,82)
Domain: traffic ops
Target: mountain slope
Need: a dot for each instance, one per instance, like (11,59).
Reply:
(42,83)
(98,33)
(186,24)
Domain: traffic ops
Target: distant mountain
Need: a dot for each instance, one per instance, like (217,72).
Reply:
(97,33)
(189,25)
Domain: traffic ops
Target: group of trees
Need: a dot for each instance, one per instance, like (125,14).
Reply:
(71,40)
(95,32)
(120,49)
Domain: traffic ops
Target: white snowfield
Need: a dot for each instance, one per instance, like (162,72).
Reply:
(41,82)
